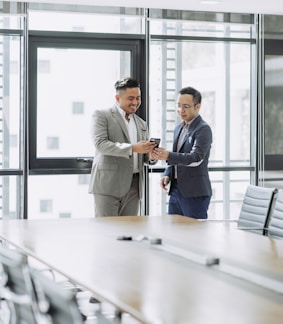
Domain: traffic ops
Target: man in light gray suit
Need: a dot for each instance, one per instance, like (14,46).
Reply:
(190,189)
(121,149)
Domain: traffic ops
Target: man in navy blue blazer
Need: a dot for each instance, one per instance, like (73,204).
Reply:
(187,172)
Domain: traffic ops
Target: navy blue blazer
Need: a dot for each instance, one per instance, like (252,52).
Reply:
(192,159)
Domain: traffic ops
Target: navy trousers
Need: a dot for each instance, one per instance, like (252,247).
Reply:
(195,207)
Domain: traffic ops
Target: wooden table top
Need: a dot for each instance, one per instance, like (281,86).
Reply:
(152,284)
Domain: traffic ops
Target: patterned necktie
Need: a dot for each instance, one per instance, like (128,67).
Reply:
(127,117)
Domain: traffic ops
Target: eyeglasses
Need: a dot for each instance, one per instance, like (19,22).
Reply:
(184,106)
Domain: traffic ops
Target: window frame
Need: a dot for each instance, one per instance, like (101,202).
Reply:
(135,44)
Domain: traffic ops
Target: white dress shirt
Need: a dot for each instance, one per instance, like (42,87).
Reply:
(132,129)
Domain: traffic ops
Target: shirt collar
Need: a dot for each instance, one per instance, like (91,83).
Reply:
(122,111)
(187,124)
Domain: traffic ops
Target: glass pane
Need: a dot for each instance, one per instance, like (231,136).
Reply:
(221,72)
(71,84)
(82,22)
(239,66)
(12,15)
(158,198)
(10,63)
(10,197)
(273,179)
(273,104)
(273,26)
(200,29)
(228,191)
(49,198)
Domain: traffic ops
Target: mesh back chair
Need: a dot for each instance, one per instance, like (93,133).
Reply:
(16,287)
(55,302)
(275,226)
(256,207)
(60,306)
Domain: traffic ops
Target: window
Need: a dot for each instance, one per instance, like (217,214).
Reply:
(44,66)
(78,108)
(83,179)
(64,196)
(52,143)
(75,67)
(214,51)
(65,215)
(11,112)
(14,141)
(215,58)
(14,67)
(45,206)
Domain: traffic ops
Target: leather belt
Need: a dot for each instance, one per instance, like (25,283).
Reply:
(135,175)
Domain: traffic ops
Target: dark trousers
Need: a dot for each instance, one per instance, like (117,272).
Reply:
(195,207)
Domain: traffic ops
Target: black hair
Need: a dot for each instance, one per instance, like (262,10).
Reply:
(125,83)
(191,91)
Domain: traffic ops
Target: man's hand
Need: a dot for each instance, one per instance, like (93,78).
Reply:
(164,182)
(143,147)
(160,153)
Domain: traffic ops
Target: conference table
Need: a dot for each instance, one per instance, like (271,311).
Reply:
(162,269)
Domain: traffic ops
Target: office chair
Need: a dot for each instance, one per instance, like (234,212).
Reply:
(275,226)
(16,288)
(55,302)
(256,208)
(59,305)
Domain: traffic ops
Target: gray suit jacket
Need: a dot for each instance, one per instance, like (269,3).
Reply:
(112,168)
(192,159)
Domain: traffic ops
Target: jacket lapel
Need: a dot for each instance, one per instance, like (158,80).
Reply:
(121,122)
(191,129)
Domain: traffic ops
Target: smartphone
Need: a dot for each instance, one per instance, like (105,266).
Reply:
(156,140)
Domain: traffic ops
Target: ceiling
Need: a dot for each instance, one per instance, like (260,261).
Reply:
(241,6)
